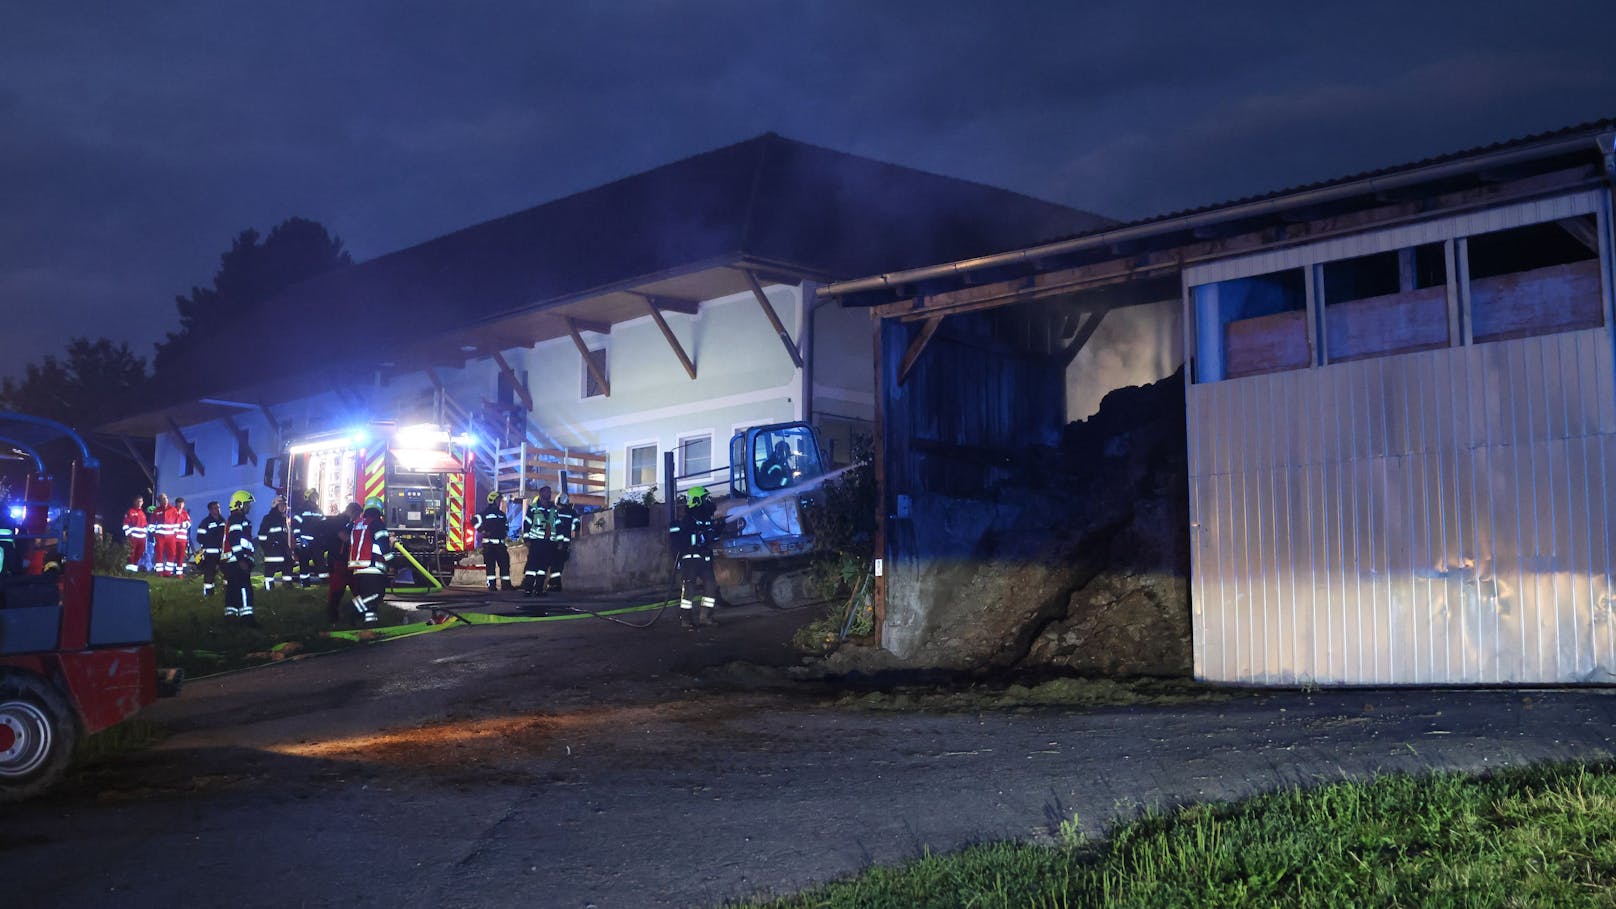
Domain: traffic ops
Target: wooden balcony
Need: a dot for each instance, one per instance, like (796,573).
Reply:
(521,470)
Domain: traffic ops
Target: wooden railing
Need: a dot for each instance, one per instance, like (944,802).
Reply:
(523,469)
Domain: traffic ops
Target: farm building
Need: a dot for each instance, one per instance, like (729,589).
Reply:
(594,332)
(1359,432)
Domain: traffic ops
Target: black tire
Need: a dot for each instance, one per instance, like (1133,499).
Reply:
(39,731)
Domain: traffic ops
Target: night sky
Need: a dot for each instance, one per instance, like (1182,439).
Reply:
(137,139)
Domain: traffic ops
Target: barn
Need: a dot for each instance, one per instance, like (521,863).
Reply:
(1397,438)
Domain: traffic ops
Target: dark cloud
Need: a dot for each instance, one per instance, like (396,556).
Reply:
(137,139)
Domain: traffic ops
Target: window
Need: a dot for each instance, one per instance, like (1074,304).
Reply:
(642,466)
(785,457)
(1250,326)
(696,457)
(592,388)
(243,446)
(1385,303)
(1535,280)
(189,467)
(737,457)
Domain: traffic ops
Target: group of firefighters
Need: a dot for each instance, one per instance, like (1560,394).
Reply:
(349,550)
(353,549)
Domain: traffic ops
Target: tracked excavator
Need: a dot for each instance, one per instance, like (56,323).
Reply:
(764,554)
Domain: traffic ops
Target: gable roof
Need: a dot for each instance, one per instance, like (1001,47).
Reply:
(794,208)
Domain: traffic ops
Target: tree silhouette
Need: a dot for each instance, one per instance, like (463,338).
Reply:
(251,273)
(83,389)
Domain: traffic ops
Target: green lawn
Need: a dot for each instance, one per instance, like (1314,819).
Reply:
(1543,836)
(193,634)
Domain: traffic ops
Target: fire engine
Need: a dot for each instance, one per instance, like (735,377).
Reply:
(420,472)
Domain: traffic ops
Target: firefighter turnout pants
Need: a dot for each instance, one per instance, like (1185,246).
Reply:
(542,558)
(497,563)
(238,589)
(368,587)
(698,586)
(310,565)
(210,571)
(277,561)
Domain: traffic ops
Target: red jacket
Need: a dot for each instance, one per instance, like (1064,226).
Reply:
(134,524)
(165,521)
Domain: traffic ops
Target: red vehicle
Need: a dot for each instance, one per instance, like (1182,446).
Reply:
(76,652)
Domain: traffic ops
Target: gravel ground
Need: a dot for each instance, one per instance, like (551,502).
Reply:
(582,763)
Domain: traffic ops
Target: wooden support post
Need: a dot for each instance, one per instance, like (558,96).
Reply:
(653,304)
(774,318)
(1084,333)
(241,438)
(149,470)
(433,377)
(918,346)
(515,380)
(573,328)
(187,447)
(1585,232)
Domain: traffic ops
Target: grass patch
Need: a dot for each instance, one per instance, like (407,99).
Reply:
(130,735)
(1540,836)
(191,631)
(1063,692)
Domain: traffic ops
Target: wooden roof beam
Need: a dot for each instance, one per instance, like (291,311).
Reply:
(917,346)
(186,446)
(575,329)
(673,341)
(774,318)
(149,470)
(515,380)
(241,438)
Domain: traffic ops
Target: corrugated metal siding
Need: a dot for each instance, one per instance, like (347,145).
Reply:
(1436,518)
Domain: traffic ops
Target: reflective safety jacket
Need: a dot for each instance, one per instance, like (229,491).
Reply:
(165,521)
(306,523)
(567,522)
(134,524)
(491,524)
(543,522)
(10,558)
(210,535)
(238,539)
(182,524)
(693,535)
(370,550)
(272,532)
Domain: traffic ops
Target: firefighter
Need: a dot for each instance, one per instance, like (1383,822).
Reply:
(163,521)
(567,522)
(10,543)
(210,536)
(539,530)
(775,471)
(332,540)
(134,534)
(276,541)
(492,526)
(182,536)
(305,525)
(370,554)
(238,559)
(691,539)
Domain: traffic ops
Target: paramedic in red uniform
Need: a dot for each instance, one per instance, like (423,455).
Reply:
(370,553)
(134,533)
(182,536)
(163,523)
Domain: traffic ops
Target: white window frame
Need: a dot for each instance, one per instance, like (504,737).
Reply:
(679,447)
(628,463)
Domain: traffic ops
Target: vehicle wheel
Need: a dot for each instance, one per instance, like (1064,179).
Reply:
(790,590)
(38,733)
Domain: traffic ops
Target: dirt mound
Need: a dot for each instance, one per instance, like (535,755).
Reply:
(1084,564)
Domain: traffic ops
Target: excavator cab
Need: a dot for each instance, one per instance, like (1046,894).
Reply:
(76,652)
(763,553)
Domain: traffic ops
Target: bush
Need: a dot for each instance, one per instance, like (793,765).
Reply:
(840,516)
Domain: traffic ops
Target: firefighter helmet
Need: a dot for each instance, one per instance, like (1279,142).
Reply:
(313,495)
(493,497)
(696,495)
(373,502)
(240,499)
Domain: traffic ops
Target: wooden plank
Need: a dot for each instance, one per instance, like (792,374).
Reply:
(1265,344)
(673,342)
(774,318)
(1075,346)
(670,304)
(1537,302)
(241,438)
(917,346)
(187,447)
(599,328)
(1393,323)
(516,381)
(583,351)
